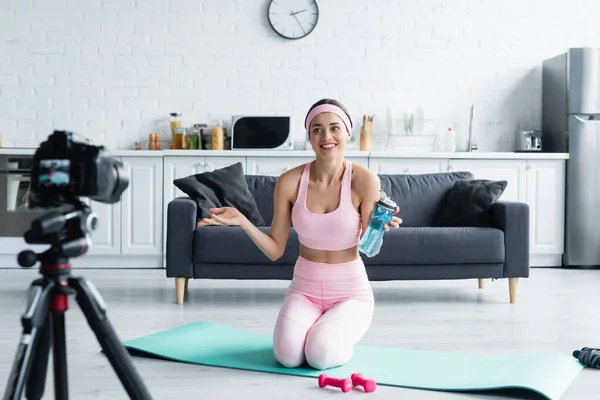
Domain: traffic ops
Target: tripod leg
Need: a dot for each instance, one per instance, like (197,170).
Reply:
(36,383)
(94,309)
(59,347)
(33,319)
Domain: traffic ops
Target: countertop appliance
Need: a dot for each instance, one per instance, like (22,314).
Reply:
(529,141)
(571,123)
(15,217)
(261,133)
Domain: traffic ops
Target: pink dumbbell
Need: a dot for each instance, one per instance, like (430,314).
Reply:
(344,384)
(369,385)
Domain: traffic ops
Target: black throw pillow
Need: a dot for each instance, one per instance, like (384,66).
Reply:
(468,203)
(225,187)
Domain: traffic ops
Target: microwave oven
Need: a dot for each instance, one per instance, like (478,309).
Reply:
(261,133)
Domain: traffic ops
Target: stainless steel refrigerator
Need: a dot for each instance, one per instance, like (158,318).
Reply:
(571,124)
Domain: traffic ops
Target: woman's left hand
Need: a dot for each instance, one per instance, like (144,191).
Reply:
(395,222)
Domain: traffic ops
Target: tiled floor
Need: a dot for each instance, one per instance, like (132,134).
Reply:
(556,311)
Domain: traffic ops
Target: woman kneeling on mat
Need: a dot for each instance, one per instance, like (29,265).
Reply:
(329,304)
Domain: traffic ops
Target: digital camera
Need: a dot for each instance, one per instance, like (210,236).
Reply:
(64,170)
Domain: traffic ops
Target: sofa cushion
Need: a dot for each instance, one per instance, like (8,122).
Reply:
(414,246)
(451,245)
(469,202)
(262,188)
(231,245)
(420,196)
(219,188)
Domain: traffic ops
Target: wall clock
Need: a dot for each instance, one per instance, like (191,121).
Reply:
(293,19)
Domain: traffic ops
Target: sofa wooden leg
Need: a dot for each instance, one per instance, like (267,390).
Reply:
(512,288)
(480,281)
(180,285)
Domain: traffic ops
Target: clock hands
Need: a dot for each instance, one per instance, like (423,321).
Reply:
(294,14)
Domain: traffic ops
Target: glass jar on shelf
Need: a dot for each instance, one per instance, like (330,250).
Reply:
(216,135)
(175,124)
(195,140)
(180,142)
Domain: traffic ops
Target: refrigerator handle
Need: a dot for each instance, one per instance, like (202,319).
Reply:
(588,118)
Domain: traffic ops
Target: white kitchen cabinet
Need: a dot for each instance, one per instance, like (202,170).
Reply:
(141,203)
(107,236)
(362,161)
(408,166)
(274,166)
(546,198)
(512,171)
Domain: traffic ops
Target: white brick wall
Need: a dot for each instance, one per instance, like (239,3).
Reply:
(109,68)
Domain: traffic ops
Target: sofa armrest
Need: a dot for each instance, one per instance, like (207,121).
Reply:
(181,225)
(513,219)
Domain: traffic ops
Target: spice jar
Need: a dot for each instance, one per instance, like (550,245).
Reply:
(154,141)
(137,146)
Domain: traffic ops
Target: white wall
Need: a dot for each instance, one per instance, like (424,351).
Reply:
(108,68)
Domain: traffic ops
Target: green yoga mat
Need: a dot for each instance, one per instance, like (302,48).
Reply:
(217,345)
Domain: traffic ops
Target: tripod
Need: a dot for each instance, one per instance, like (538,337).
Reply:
(43,316)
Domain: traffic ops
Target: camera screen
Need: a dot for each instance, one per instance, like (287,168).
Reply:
(54,173)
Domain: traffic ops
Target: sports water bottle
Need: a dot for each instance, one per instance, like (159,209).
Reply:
(382,214)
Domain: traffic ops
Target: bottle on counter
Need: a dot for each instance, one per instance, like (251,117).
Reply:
(450,141)
(195,140)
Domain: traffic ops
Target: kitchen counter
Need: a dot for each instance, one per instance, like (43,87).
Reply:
(475,155)
(310,153)
(7,151)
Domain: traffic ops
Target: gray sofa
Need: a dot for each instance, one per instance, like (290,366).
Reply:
(415,251)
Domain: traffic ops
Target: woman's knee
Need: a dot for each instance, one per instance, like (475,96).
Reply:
(323,351)
(288,342)
(288,358)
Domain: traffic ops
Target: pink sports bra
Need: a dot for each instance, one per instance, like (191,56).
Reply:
(337,230)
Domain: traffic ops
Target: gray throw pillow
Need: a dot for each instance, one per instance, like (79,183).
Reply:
(224,187)
(468,203)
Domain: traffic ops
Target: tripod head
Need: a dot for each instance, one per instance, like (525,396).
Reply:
(67,233)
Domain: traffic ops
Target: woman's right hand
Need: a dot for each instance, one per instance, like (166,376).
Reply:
(223,216)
